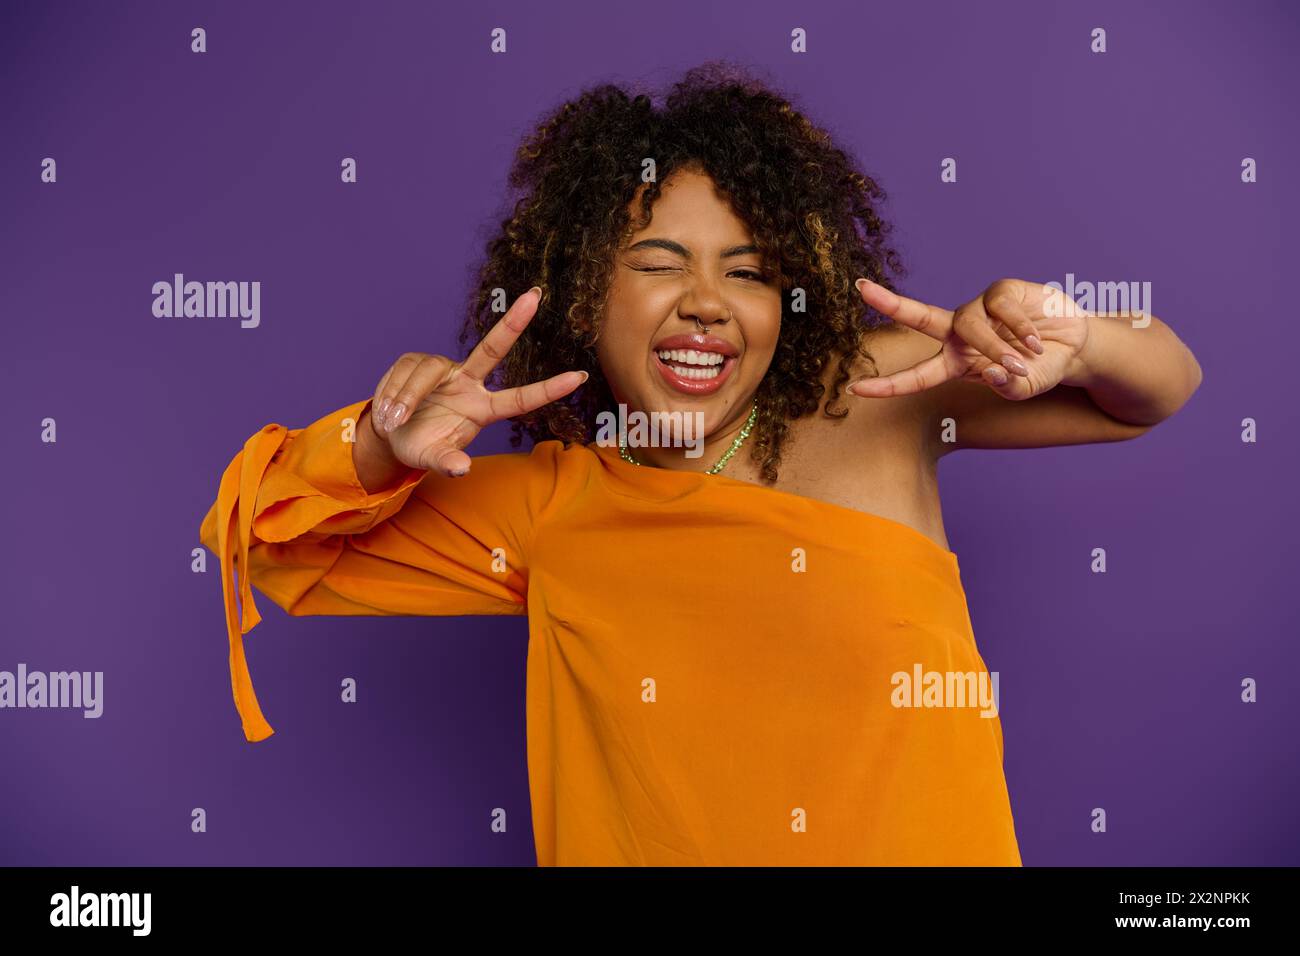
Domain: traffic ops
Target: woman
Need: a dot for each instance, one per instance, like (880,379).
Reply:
(743,652)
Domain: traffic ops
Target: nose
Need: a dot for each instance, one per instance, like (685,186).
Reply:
(703,305)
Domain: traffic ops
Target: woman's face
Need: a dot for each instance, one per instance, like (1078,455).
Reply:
(694,261)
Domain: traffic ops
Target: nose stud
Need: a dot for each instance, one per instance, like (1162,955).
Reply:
(704,331)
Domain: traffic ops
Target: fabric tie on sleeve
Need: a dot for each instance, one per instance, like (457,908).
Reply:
(236,501)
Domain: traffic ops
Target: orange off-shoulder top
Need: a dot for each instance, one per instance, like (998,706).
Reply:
(713,673)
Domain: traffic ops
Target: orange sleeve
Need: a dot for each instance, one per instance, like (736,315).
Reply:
(292,519)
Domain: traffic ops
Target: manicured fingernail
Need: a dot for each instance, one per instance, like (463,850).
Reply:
(395,417)
(1034,344)
(860,284)
(537,289)
(382,410)
(459,472)
(1014,364)
(585,376)
(995,375)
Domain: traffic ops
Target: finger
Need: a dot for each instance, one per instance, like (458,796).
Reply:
(446,455)
(1002,301)
(924,374)
(1012,387)
(396,374)
(494,346)
(377,404)
(407,394)
(510,402)
(972,326)
(449,461)
(930,319)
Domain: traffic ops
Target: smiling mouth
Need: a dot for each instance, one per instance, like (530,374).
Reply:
(694,363)
(693,371)
(690,364)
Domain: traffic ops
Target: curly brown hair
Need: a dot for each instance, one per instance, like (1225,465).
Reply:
(812,213)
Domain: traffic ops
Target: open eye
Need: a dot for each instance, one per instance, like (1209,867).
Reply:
(750,274)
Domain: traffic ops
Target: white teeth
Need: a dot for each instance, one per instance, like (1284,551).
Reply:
(692,357)
(686,371)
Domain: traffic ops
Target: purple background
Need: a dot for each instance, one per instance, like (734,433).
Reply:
(1118,690)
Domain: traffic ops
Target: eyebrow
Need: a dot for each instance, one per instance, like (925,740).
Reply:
(678,249)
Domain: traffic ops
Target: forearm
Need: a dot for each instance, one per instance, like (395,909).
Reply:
(1140,375)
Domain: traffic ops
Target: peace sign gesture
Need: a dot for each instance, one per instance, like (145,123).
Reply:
(428,407)
(1019,338)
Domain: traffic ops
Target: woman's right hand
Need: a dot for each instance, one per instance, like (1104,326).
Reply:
(427,408)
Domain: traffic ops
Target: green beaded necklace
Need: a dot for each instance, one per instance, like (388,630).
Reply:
(721,462)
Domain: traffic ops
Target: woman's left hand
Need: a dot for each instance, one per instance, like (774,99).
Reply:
(1018,338)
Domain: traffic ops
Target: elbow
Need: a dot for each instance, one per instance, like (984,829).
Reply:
(1119,429)
(1195,375)
(1178,394)
(1190,381)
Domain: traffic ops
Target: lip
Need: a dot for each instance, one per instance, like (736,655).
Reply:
(701,343)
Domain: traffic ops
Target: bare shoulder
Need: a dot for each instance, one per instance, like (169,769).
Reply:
(890,425)
(891,348)
(888,349)
(875,457)
(895,347)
